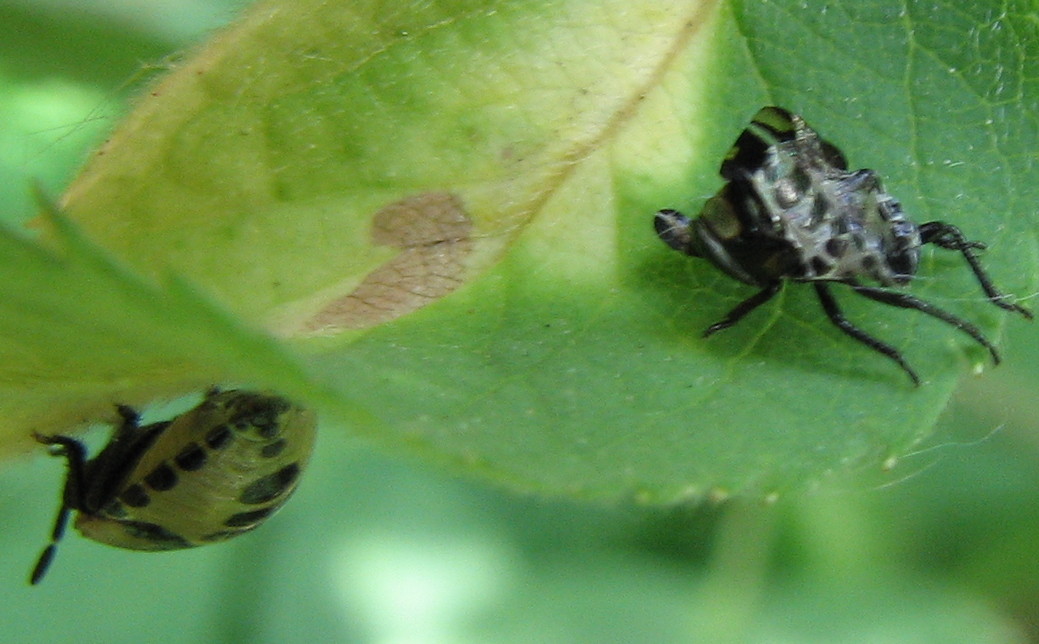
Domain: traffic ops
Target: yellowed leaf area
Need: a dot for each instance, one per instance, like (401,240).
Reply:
(257,167)
(319,169)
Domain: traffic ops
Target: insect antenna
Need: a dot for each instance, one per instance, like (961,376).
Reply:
(47,556)
(75,454)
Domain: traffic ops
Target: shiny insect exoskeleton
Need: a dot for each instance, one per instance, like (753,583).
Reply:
(210,474)
(791,210)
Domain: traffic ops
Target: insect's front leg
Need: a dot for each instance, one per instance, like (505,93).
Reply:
(950,237)
(744,307)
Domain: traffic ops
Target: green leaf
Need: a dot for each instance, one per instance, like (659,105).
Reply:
(444,211)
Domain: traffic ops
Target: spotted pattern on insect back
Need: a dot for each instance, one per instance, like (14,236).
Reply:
(192,458)
(273,449)
(162,478)
(135,496)
(250,518)
(792,211)
(817,209)
(219,437)
(163,538)
(270,487)
(212,473)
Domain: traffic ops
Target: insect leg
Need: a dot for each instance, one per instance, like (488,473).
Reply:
(949,237)
(907,301)
(744,307)
(833,311)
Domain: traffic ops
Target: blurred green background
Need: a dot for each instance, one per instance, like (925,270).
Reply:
(941,549)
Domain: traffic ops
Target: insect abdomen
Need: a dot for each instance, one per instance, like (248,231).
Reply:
(217,471)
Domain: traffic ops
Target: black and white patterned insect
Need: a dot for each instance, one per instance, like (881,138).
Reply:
(210,474)
(791,210)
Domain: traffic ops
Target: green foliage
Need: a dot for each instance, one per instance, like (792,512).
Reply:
(236,204)
(564,353)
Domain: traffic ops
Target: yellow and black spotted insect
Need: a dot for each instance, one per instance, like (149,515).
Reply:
(210,474)
(791,210)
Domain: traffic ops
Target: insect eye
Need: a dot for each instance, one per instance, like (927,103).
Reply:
(674,229)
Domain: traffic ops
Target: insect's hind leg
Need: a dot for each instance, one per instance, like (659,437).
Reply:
(907,301)
(833,312)
(950,237)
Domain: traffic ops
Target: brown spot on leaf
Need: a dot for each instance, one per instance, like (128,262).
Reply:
(432,231)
